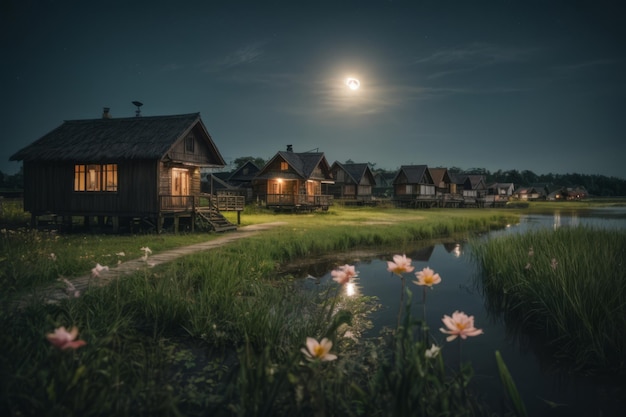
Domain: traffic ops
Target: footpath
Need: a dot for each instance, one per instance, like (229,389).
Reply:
(60,291)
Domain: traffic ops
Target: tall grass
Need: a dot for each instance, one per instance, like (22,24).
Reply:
(219,332)
(566,286)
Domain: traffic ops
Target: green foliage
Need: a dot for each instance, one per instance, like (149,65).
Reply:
(218,332)
(509,387)
(566,286)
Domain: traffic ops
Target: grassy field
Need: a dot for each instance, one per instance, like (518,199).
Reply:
(221,332)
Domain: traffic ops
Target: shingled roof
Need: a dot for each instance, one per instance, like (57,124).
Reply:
(302,163)
(415,174)
(356,171)
(111,139)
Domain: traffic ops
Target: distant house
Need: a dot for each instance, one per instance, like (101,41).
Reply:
(557,193)
(498,193)
(243,176)
(413,186)
(293,181)
(576,193)
(239,181)
(527,193)
(383,186)
(214,183)
(443,181)
(116,170)
(471,186)
(353,182)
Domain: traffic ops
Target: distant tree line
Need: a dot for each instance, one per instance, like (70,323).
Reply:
(596,185)
(13,182)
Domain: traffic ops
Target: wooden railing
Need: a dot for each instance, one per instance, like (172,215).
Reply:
(297,200)
(194,202)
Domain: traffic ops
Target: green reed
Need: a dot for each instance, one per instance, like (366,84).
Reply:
(567,286)
(209,331)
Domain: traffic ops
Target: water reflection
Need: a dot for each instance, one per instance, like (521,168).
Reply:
(526,356)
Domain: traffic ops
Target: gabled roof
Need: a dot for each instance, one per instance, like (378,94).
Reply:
(384,178)
(217,183)
(440,175)
(473,180)
(500,185)
(302,163)
(239,173)
(356,171)
(415,174)
(114,139)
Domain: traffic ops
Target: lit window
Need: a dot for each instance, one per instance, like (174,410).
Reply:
(284,166)
(95,177)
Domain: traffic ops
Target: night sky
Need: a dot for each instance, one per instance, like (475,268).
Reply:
(525,85)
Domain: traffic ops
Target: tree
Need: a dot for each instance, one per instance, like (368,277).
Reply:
(241,161)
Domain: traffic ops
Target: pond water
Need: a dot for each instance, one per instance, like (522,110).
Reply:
(536,382)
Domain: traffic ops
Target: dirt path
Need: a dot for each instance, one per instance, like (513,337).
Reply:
(59,291)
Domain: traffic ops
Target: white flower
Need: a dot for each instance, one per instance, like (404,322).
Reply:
(432,352)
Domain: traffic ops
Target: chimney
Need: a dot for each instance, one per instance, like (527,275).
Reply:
(289,148)
(105,113)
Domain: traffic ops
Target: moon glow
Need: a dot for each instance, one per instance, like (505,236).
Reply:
(353,83)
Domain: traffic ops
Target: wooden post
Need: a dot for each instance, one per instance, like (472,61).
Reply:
(238,217)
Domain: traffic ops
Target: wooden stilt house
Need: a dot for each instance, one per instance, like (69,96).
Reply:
(121,170)
(353,183)
(293,181)
(413,186)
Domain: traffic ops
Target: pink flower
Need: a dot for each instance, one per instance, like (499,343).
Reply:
(427,277)
(459,325)
(95,272)
(343,274)
(400,265)
(318,351)
(63,339)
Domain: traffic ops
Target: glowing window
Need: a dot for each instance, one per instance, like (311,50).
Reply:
(284,166)
(95,177)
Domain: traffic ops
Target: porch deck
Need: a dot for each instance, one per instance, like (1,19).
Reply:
(298,202)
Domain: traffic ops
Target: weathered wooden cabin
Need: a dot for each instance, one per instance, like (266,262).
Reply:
(122,170)
(353,183)
(293,182)
(242,177)
(499,193)
(413,186)
(473,188)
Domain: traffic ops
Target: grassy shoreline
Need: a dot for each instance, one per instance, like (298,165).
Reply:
(220,332)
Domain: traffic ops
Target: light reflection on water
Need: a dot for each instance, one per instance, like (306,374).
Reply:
(457,291)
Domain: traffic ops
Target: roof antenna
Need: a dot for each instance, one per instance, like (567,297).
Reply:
(138,111)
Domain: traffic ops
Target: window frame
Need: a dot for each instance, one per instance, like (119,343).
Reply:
(96,178)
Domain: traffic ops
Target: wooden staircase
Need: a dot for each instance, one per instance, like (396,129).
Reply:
(215,219)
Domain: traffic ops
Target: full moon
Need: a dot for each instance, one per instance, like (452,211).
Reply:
(353,83)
